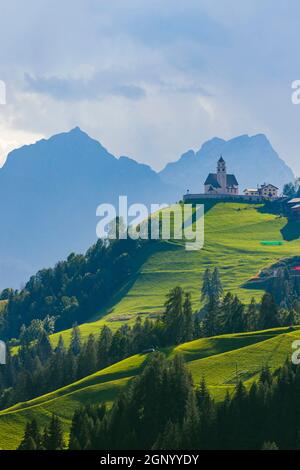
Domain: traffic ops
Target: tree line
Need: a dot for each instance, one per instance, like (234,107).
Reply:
(163,409)
(75,289)
(39,368)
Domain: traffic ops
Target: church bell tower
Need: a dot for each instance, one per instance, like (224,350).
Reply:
(222,174)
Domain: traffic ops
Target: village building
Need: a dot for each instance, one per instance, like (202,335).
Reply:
(222,185)
(221,182)
(268,191)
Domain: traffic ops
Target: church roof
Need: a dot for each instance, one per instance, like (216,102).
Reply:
(232,181)
(213,181)
(221,160)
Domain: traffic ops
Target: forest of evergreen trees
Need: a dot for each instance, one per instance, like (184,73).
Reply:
(39,368)
(163,409)
(74,290)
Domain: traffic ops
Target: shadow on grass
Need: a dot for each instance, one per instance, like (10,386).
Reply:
(291,231)
(153,247)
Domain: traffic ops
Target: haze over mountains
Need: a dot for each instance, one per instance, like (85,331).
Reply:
(49,191)
(252,159)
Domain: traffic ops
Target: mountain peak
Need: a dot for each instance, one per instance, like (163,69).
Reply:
(77,131)
(251,158)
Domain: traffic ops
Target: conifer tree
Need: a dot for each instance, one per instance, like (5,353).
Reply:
(268,317)
(173,317)
(75,345)
(188,321)
(103,347)
(44,347)
(216,285)
(53,437)
(206,285)
(32,437)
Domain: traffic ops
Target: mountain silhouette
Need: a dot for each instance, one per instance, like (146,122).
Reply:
(49,192)
(252,159)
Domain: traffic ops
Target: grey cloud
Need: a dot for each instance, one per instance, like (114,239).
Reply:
(81,89)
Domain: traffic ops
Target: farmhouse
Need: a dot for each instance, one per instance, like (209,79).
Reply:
(268,191)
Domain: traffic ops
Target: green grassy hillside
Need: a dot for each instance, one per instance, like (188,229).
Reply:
(233,233)
(221,360)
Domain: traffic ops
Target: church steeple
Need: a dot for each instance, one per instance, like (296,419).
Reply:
(221,173)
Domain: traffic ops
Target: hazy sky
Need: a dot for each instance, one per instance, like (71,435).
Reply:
(151,79)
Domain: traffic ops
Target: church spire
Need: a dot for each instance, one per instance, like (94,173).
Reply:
(221,173)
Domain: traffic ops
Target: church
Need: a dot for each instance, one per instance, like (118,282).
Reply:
(221,182)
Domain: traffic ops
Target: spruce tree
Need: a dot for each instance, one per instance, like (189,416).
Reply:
(188,321)
(206,285)
(75,345)
(268,316)
(44,347)
(32,438)
(173,316)
(53,436)
(216,285)
(103,347)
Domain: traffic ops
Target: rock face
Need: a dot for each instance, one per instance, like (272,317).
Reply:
(252,159)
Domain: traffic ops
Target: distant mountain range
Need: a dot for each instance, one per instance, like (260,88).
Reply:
(49,191)
(252,159)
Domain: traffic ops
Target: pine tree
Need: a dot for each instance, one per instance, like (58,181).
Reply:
(191,423)
(60,348)
(32,437)
(206,285)
(44,347)
(251,316)
(188,321)
(75,345)
(173,317)
(268,316)
(103,347)
(216,285)
(90,356)
(53,437)
(211,319)
(170,438)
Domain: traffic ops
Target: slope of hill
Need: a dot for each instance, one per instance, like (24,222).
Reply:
(221,360)
(233,233)
(49,192)
(252,159)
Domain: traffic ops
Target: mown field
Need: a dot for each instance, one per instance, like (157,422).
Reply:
(233,233)
(220,360)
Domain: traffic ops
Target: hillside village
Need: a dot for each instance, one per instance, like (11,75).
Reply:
(224,185)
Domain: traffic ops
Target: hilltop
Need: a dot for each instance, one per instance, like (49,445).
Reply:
(233,235)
